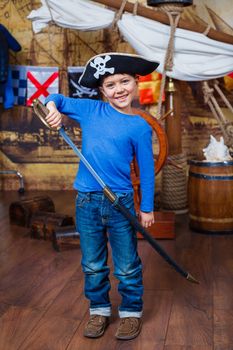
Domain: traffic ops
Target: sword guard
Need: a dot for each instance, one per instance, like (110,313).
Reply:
(41,112)
(109,194)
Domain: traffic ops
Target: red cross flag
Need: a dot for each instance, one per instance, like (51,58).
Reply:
(41,82)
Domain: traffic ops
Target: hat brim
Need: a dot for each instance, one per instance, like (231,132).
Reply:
(106,64)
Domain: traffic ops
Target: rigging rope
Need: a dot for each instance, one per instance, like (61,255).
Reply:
(174,13)
(209,98)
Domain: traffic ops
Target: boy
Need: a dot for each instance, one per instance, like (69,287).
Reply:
(111,136)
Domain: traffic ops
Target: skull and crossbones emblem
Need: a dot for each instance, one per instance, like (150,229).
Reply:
(100,65)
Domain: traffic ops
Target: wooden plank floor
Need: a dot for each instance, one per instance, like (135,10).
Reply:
(42,306)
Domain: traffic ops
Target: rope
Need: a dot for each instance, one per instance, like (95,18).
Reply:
(206,31)
(221,94)
(173,12)
(135,8)
(162,86)
(173,23)
(216,110)
(119,14)
(174,183)
(51,15)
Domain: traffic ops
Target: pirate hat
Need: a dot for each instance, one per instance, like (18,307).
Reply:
(114,63)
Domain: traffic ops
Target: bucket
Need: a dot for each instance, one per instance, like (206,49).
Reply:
(210,196)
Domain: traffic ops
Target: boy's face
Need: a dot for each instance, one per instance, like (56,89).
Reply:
(119,90)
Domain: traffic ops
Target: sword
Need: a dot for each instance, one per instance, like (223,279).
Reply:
(41,111)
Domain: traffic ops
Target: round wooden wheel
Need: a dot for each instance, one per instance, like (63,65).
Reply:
(160,158)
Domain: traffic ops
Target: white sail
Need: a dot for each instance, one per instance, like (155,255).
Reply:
(196,57)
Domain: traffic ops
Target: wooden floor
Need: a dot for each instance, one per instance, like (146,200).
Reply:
(42,306)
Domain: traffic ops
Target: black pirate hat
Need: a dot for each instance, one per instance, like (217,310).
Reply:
(114,63)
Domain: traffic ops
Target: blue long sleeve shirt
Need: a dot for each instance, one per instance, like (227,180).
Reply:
(110,140)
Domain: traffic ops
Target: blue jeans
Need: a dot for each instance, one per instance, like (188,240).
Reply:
(97,222)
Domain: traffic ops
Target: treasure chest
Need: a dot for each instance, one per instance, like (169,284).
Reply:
(66,238)
(44,224)
(21,211)
(164,226)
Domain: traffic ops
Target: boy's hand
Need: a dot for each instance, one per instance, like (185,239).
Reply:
(146,219)
(54,118)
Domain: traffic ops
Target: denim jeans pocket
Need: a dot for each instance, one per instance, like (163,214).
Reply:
(82,198)
(126,199)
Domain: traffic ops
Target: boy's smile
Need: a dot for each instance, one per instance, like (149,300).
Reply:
(119,90)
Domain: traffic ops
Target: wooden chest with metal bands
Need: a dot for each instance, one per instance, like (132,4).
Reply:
(21,211)
(65,238)
(44,224)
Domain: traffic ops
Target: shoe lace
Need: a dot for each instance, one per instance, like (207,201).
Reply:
(95,320)
(129,321)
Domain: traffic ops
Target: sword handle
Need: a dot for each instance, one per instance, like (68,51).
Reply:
(41,112)
(109,194)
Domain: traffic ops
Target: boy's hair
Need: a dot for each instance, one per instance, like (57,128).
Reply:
(101,80)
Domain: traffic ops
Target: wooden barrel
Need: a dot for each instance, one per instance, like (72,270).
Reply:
(20,212)
(210,196)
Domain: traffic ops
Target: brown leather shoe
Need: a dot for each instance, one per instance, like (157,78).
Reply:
(96,326)
(129,328)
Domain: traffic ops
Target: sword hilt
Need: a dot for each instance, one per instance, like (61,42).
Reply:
(110,194)
(41,112)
